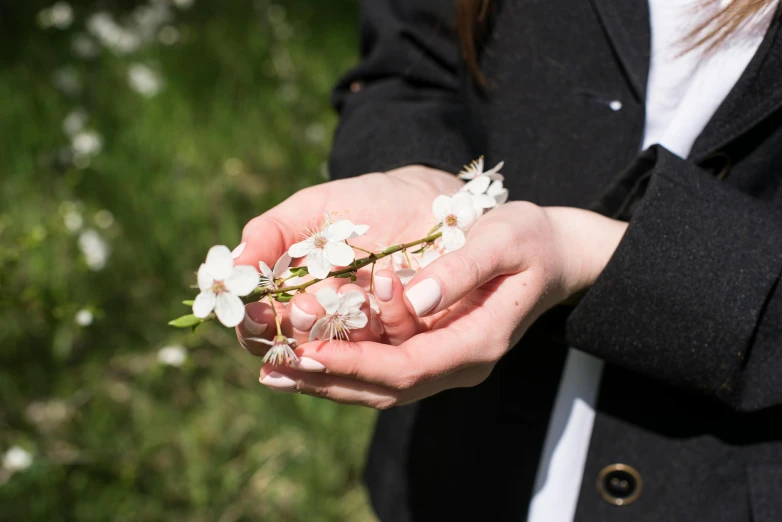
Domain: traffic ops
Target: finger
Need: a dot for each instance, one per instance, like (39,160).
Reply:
(491,250)
(258,322)
(331,387)
(397,316)
(301,314)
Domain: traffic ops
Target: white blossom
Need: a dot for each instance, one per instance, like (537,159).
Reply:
(94,248)
(269,277)
(475,169)
(326,248)
(144,80)
(86,143)
(222,284)
(281,350)
(343,313)
(456,215)
(236,252)
(486,194)
(74,122)
(60,15)
(17,459)
(84,317)
(174,355)
(73,220)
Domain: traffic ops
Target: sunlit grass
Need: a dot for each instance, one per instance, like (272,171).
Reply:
(240,122)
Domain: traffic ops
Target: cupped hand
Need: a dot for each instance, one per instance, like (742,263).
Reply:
(519,261)
(396,205)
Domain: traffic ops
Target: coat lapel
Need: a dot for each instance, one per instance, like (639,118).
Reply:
(626,24)
(756,95)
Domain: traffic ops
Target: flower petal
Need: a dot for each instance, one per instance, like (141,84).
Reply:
(317,264)
(205,279)
(236,252)
(329,300)
(441,207)
(282,265)
(229,309)
(243,280)
(373,304)
(355,320)
(453,239)
(359,230)
(260,340)
(494,173)
(266,272)
(340,230)
(477,185)
(219,262)
(339,253)
(406,275)
(351,301)
(319,329)
(204,304)
(484,201)
(465,217)
(302,248)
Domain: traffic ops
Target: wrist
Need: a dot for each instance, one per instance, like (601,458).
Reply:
(587,241)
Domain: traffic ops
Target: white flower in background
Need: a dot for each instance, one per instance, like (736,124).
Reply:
(17,459)
(343,313)
(84,317)
(60,15)
(86,143)
(174,355)
(222,285)
(67,80)
(475,169)
(269,276)
(144,80)
(94,248)
(184,4)
(104,219)
(73,220)
(84,47)
(456,215)
(326,248)
(74,122)
(168,35)
(112,35)
(281,351)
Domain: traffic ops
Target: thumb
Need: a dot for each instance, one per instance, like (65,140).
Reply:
(268,236)
(449,278)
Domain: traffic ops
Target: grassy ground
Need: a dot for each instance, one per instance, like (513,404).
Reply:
(108,223)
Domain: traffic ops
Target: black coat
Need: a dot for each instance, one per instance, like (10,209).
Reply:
(687,315)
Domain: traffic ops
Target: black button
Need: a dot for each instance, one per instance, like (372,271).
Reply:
(619,484)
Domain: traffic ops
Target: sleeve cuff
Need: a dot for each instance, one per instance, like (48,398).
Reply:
(681,297)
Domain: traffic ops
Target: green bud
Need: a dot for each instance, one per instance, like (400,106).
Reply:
(188,303)
(283,298)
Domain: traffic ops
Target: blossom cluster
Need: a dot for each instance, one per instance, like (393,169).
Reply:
(325,253)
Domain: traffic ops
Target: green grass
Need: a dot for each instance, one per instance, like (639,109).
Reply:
(242,121)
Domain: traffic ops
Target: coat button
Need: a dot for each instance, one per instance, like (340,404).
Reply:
(356,86)
(619,484)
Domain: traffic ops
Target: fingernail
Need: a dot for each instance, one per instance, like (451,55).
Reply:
(300,319)
(384,288)
(278,380)
(309,365)
(424,296)
(253,327)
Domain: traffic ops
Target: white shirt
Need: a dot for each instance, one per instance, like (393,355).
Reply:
(684,90)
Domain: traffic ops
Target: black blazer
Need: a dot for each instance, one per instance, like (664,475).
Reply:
(687,315)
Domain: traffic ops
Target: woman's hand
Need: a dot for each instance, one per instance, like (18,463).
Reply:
(519,261)
(396,205)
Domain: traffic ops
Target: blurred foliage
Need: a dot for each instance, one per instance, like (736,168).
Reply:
(105,214)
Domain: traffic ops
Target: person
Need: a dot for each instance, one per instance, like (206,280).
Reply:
(607,346)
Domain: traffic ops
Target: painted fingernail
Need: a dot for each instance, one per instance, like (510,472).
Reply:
(278,380)
(424,296)
(300,319)
(384,288)
(253,327)
(309,365)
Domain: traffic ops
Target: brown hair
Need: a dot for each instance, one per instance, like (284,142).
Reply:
(472,20)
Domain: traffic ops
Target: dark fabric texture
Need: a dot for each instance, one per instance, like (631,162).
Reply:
(688,314)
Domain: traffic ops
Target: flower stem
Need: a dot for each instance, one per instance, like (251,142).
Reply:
(354,267)
(276,317)
(372,277)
